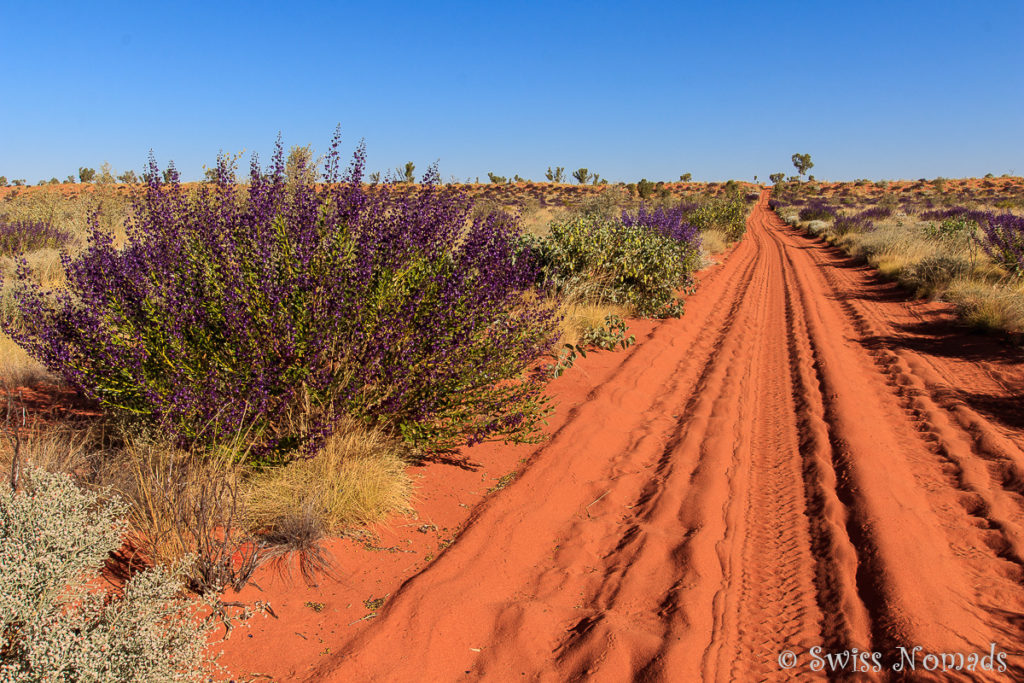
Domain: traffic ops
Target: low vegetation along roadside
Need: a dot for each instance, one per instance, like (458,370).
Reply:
(959,241)
(262,359)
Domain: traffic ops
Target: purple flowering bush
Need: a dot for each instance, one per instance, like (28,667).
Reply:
(817,211)
(273,309)
(1002,238)
(17,237)
(670,222)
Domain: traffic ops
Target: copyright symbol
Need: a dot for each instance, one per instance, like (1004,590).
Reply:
(787,659)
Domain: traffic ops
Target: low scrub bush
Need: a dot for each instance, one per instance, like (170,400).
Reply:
(274,311)
(728,214)
(54,539)
(642,266)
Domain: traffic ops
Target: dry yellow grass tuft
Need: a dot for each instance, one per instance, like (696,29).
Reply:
(357,478)
(989,307)
(714,241)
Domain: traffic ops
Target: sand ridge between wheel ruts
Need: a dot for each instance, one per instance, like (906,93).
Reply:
(801,460)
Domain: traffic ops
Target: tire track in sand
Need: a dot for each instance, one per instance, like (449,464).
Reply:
(748,481)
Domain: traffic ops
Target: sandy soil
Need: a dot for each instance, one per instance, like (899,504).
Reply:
(805,459)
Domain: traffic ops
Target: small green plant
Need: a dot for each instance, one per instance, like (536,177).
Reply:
(686,177)
(85,174)
(373,604)
(610,335)
(497,179)
(645,188)
(566,359)
(677,307)
(503,481)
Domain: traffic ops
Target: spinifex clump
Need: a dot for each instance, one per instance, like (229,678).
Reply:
(272,311)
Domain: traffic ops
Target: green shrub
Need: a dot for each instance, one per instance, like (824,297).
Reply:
(54,537)
(644,267)
(728,214)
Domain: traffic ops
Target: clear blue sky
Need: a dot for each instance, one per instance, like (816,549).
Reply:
(722,90)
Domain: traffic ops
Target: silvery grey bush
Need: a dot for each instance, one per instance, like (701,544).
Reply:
(57,622)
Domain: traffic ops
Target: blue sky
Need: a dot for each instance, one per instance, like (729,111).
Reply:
(721,90)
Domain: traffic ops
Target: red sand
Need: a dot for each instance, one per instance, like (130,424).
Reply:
(806,458)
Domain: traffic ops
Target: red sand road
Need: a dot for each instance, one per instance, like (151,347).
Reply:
(805,459)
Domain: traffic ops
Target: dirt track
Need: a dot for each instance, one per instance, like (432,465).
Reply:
(804,459)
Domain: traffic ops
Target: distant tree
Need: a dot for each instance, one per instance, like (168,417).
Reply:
(596,179)
(170,174)
(645,188)
(70,179)
(54,181)
(106,175)
(810,179)
(776,178)
(519,179)
(3,181)
(300,168)
(686,177)
(86,175)
(18,182)
(556,176)
(375,178)
(581,175)
(496,179)
(128,178)
(802,163)
(405,175)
